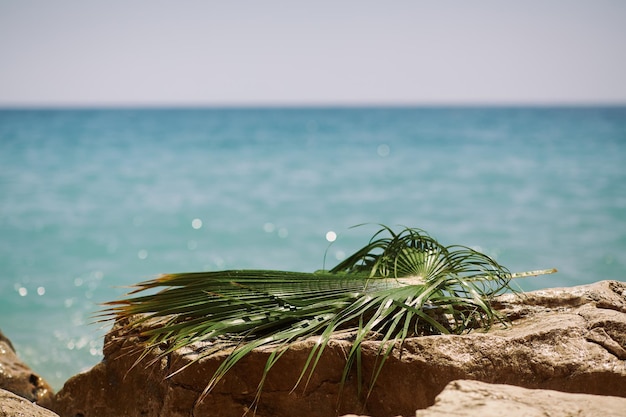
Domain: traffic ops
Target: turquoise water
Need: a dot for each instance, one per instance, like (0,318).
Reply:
(93,200)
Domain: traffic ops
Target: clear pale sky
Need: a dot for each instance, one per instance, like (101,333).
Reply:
(269,52)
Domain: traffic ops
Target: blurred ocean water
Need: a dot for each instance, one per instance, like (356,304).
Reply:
(94,200)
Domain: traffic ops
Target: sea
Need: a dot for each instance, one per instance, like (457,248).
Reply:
(93,201)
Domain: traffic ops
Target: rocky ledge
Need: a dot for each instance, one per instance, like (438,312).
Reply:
(12,405)
(571,340)
(473,398)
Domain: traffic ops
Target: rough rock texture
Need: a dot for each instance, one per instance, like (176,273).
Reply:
(569,339)
(12,405)
(478,399)
(18,378)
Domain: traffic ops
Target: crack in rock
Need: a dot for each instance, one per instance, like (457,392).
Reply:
(599,336)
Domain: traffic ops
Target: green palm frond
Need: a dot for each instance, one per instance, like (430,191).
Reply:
(396,286)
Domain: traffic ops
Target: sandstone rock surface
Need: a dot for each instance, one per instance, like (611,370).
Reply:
(478,399)
(12,405)
(18,378)
(568,339)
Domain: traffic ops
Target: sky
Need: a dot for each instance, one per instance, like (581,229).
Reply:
(341,52)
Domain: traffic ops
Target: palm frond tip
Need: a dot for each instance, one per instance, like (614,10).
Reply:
(398,285)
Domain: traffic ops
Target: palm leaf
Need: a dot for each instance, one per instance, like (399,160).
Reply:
(398,285)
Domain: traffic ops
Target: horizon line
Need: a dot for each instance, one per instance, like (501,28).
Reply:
(307,105)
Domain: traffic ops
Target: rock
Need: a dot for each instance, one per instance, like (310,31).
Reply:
(12,405)
(18,378)
(479,399)
(567,339)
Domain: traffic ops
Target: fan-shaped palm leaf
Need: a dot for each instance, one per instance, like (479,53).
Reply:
(396,286)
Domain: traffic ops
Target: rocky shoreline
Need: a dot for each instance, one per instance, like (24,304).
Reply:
(564,354)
